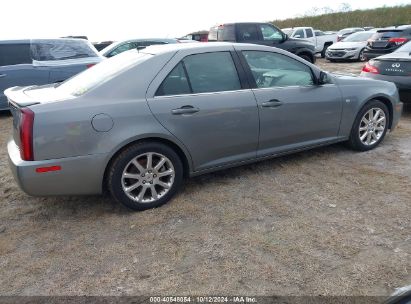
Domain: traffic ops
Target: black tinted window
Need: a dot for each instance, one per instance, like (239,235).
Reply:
(45,50)
(176,83)
(212,72)
(309,33)
(11,54)
(277,70)
(247,32)
(122,48)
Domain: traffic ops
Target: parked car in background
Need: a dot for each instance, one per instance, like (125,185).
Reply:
(368,28)
(264,34)
(137,123)
(102,44)
(348,31)
(387,40)
(394,67)
(350,48)
(320,39)
(42,61)
(200,36)
(139,44)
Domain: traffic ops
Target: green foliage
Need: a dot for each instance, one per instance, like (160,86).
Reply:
(379,17)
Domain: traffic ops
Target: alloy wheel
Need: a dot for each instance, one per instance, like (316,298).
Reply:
(148,177)
(372,126)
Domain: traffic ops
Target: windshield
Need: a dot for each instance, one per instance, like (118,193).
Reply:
(405,48)
(61,49)
(348,30)
(358,37)
(100,73)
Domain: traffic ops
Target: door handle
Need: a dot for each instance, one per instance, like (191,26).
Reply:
(185,110)
(2,75)
(273,103)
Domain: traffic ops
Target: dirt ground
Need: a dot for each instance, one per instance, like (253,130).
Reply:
(324,222)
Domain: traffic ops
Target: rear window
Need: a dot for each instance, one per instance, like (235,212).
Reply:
(100,73)
(387,34)
(17,53)
(49,50)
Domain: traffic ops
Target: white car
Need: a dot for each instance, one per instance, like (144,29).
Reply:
(320,39)
(350,48)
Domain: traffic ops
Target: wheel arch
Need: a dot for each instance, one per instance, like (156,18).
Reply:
(181,152)
(386,101)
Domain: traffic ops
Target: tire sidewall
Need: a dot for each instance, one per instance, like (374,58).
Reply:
(354,136)
(123,159)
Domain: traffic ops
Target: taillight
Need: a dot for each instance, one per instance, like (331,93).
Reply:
(26,134)
(398,41)
(369,68)
(90,65)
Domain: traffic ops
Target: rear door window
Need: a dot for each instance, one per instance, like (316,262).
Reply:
(247,32)
(50,50)
(202,73)
(17,53)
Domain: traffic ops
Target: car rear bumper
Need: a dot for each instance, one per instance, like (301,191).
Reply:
(373,54)
(79,175)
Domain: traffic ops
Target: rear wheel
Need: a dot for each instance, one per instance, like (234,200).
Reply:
(370,126)
(306,57)
(324,50)
(145,176)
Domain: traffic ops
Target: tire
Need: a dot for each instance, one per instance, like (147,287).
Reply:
(306,57)
(131,169)
(324,50)
(361,56)
(357,141)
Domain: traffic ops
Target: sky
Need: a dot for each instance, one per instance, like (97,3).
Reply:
(124,19)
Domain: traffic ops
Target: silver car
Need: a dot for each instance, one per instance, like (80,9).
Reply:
(138,123)
(350,48)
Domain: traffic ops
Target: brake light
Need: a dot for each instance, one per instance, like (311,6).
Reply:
(369,68)
(398,41)
(90,65)
(26,134)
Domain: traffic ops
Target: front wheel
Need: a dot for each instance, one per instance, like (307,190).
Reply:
(370,126)
(361,56)
(145,175)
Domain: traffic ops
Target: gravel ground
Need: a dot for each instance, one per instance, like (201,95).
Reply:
(324,222)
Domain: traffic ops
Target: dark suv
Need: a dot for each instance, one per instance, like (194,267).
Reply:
(265,34)
(387,40)
(42,61)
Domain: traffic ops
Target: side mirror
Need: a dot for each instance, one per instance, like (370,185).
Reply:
(323,79)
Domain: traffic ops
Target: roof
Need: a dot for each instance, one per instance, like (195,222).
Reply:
(19,41)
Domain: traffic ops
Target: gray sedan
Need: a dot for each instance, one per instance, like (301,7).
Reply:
(138,123)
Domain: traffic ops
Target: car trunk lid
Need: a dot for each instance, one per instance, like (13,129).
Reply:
(395,64)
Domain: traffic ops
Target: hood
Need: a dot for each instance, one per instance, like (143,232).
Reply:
(347,45)
(356,80)
(400,56)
